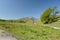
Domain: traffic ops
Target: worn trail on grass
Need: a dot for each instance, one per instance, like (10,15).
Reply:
(58,28)
(6,36)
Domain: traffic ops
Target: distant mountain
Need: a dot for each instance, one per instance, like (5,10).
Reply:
(32,19)
(22,20)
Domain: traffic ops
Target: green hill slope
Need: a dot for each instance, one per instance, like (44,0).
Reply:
(55,24)
(30,32)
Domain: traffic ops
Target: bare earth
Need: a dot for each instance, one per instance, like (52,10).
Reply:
(6,36)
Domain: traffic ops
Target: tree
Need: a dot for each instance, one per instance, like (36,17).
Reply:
(45,16)
(54,16)
(50,15)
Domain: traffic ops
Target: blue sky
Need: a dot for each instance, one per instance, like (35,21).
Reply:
(14,9)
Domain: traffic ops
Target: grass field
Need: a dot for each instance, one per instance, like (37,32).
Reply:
(24,31)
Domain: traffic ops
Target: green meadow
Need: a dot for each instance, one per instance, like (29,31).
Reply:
(24,31)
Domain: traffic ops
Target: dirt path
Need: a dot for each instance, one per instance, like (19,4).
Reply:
(58,28)
(6,36)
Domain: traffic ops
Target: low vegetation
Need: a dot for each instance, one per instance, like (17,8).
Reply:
(30,32)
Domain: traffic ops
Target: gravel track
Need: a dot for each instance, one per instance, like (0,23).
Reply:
(6,36)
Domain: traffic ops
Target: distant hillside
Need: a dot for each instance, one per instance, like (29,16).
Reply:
(22,20)
(2,20)
(28,19)
(32,19)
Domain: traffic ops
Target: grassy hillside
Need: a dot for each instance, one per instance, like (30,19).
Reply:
(36,33)
(24,31)
(55,24)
